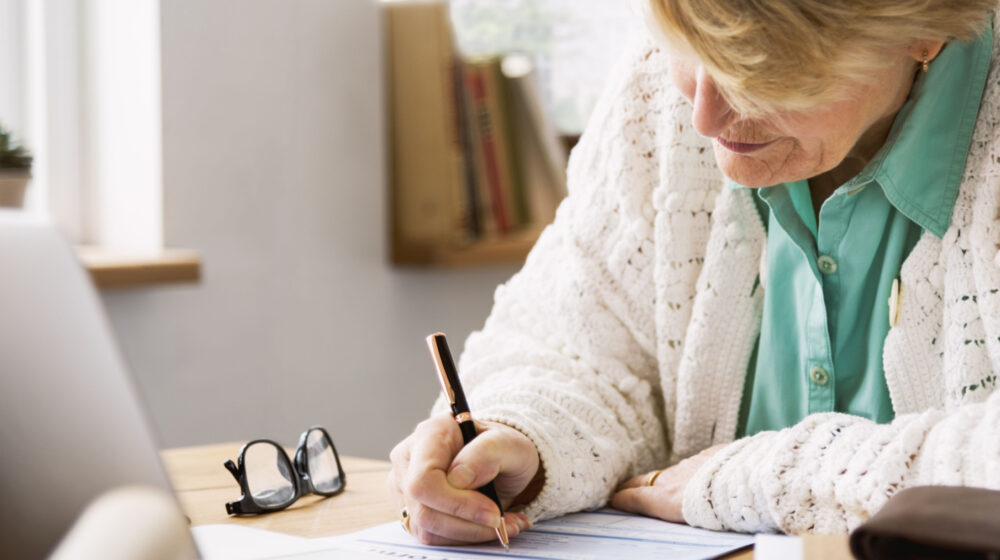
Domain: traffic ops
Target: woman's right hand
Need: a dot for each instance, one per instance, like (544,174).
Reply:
(435,478)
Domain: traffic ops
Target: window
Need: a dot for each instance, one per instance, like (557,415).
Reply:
(12,84)
(79,83)
(574,43)
(39,101)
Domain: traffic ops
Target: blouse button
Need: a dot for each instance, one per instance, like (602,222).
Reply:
(819,376)
(894,303)
(826,264)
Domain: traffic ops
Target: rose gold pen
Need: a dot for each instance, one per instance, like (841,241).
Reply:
(452,388)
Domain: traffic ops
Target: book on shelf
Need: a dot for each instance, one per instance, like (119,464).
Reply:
(541,154)
(482,202)
(475,160)
(476,207)
(487,95)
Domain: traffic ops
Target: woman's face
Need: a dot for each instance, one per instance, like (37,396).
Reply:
(785,147)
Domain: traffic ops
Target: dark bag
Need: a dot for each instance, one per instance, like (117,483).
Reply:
(933,522)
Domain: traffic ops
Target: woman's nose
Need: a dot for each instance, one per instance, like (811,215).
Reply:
(712,114)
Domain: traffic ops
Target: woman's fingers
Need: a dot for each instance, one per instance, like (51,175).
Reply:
(435,527)
(420,453)
(434,444)
(499,454)
(454,492)
(665,498)
(516,524)
(638,481)
(447,509)
(651,502)
(411,483)
(431,489)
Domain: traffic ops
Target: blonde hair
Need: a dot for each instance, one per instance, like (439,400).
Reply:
(788,55)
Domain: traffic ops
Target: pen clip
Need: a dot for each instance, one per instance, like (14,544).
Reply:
(439,365)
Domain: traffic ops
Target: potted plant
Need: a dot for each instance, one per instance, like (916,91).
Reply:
(15,170)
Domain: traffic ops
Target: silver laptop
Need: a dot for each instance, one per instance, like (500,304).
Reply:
(71,422)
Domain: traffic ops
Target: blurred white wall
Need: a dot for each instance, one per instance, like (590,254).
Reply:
(274,168)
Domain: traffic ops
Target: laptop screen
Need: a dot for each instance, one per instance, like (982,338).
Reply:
(71,423)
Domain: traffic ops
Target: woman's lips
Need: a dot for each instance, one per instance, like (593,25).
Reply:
(743,147)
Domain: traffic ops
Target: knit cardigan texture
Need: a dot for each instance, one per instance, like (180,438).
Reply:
(623,343)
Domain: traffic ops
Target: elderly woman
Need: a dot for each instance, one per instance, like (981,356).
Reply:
(776,278)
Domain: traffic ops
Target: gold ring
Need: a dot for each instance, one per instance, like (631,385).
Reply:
(404,519)
(652,477)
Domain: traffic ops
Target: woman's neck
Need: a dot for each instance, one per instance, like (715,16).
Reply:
(822,186)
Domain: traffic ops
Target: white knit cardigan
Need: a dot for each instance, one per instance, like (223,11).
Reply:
(623,343)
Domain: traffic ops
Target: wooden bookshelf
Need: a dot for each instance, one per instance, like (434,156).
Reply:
(510,249)
(473,153)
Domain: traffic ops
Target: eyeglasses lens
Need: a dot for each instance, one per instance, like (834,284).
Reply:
(323,469)
(269,475)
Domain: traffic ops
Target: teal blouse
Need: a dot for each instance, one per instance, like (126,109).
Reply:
(827,285)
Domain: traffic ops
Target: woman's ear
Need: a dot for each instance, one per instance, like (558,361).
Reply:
(932,48)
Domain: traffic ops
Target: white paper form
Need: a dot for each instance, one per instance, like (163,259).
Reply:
(777,547)
(235,542)
(579,536)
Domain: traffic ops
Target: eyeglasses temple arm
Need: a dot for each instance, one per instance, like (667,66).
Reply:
(233,508)
(233,470)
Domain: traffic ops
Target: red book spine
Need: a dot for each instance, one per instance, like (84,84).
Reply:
(488,148)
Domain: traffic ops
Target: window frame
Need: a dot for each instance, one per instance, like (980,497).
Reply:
(69,83)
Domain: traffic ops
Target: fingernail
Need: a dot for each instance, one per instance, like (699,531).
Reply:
(488,518)
(461,477)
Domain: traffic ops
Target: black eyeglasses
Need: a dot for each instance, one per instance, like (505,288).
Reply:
(270,481)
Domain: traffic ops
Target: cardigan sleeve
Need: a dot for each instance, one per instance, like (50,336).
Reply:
(567,355)
(831,472)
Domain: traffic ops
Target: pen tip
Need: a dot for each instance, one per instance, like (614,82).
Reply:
(502,534)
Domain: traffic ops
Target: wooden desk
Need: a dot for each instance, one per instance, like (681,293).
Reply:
(204,486)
